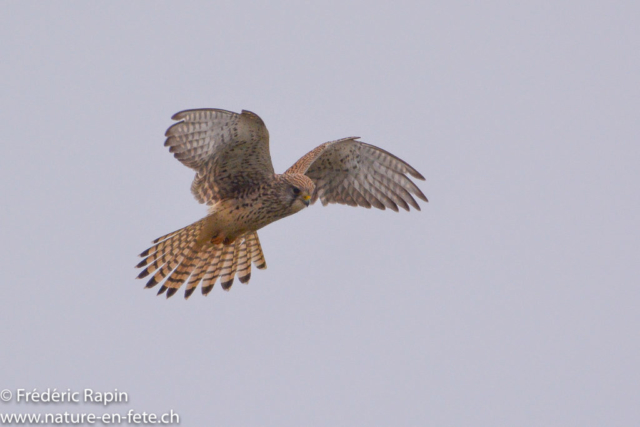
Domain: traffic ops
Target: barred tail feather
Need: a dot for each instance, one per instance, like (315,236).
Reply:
(212,273)
(202,264)
(257,256)
(244,263)
(229,265)
(177,258)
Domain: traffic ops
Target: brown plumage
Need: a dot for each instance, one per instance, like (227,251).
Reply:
(235,178)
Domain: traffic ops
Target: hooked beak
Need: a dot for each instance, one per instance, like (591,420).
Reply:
(306,199)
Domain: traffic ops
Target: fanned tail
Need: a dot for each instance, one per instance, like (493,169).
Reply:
(178,258)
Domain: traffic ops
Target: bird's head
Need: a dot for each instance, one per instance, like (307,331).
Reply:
(299,190)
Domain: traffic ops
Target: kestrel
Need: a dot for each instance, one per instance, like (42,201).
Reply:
(236,180)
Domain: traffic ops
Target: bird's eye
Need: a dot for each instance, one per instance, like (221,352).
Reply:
(296,191)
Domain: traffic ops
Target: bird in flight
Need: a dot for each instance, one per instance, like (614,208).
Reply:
(236,180)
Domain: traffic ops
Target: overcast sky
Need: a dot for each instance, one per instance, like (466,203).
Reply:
(511,299)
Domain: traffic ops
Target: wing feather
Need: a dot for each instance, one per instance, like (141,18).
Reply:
(355,173)
(227,150)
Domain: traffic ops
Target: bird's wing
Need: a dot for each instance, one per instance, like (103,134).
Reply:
(355,173)
(227,150)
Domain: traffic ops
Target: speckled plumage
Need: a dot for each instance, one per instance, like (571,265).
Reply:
(235,178)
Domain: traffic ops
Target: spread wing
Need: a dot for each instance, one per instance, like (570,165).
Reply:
(228,151)
(355,173)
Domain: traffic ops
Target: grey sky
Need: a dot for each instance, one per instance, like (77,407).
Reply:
(511,299)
